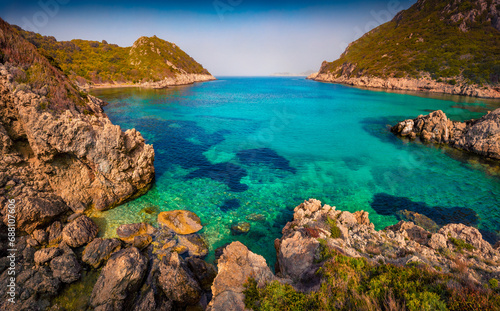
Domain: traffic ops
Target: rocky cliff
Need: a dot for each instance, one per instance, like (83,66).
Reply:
(60,152)
(150,62)
(435,46)
(480,136)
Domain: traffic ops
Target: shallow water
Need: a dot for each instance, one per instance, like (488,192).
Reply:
(251,149)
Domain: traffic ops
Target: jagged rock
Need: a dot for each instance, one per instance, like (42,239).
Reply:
(479,136)
(55,233)
(127,232)
(410,230)
(66,268)
(362,217)
(120,277)
(240,228)
(235,266)
(79,232)
(437,241)
(204,272)
(47,254)
(195,244)
(177,281)
(34,212)
(419,220)
(41,236)
(99,251)
(180,221)
(469,235)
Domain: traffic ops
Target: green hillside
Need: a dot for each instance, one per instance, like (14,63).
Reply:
(450,40)
(149,59)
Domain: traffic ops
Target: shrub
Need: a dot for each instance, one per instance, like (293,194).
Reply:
(493,283)
(334,229)
(461,244)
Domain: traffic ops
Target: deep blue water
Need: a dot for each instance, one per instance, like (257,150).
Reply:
(237,147)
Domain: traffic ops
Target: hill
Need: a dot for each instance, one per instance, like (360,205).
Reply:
(150,62)
(435,45)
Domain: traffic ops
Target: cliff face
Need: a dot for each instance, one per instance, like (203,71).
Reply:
(149,62)
(59,151)
(478,136)
(434,46)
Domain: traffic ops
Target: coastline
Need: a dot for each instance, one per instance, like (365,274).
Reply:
(425,85)
(184,79)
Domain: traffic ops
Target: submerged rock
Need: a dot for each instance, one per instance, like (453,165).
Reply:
(128,232)
(240,228)
(99,251)
(120,277)
(195,244)
(180,221)
(80,231)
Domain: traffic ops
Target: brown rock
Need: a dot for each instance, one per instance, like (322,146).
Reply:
(55,233)
(127,232)
(99,251)
(41,236)
(413,232)
(240,228)
(235,266)
(142,241)
(195,244)
(419,220)
(204,272)
(47,254)
(180,221)
(66,268)
(362,217)
(80,232)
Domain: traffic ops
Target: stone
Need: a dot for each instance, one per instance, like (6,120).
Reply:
(79,232)
(240,228)
(41,236)
(256,217)
(99,251)
(437,241)
(142,241)
(66,268)
(413,232)
(194,243)
(204,272)
(120,277)
(362,217)
(180,221)
(55,233)
(469,235)
(127,232)
(235,266)
(180,249)
(47,254)
(419,220)
(177,281)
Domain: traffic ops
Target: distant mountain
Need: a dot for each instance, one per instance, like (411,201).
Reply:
(288,74)
(435,45)
(150,62)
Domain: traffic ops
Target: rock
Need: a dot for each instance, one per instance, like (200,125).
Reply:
(177,281)
(362,217)
(99,251)
(66,268)
(469,235)
(180,249)
(235,266)
(256,217)
(127,232)
(79,232)
(413,232)
(34,212)
(55,233)
(142,241)
(419,220)
(41,236)
(477,136)
(437,241)
(306,209)
(180,221)
(204,272)
(120,277)
(240,228)
(47,254)
(195,244)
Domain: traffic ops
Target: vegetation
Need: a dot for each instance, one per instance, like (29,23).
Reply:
(355,284)
(334,229)
(461,244)
(425,40)
(149,59)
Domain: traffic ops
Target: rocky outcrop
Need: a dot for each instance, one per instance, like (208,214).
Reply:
(480,136)
(235,266)
(79,232)
(180,79)
(425,84)
(180,221)
(120,277)
(99,251)
(59,151)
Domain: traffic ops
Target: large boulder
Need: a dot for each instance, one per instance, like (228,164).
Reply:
(411,231)
(66,268)
(180,221)
(177,281)
(236,265)
(79,232)
(120,277)
(204,272)
(128,232)
(100,250)
(45,255)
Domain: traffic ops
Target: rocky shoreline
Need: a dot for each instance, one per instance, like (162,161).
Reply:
(480,136)
(409,84)
(182,79)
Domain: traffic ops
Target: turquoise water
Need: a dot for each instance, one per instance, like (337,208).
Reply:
(235,148)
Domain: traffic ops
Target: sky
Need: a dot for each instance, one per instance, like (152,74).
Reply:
(228,37)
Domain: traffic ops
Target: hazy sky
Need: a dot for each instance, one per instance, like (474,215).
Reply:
(228,37)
